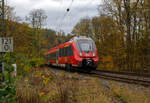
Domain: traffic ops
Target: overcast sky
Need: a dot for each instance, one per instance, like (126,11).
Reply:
(56,9)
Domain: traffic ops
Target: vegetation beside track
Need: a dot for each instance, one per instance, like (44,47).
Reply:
(44,85)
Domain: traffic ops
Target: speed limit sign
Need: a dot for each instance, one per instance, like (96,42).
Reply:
(6,44)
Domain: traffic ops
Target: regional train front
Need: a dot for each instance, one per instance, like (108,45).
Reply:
(86,52)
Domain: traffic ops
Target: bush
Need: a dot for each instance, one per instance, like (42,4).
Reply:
(36,62)
(23,65)
(26,65)
(7,87)
(27,95)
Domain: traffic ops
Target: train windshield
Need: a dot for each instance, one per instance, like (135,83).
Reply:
(86,45)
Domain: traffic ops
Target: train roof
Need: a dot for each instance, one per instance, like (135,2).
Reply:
(81,37)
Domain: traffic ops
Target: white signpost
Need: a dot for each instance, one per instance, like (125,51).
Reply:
(6,44)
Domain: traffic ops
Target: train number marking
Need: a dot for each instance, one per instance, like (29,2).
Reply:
(6,44)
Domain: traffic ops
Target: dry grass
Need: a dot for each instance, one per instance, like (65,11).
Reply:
(131,95)
(44,86)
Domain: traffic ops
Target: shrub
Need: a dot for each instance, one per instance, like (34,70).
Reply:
(7,87)
(27,94)
(36,62)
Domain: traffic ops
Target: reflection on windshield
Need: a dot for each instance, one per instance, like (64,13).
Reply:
(86,45)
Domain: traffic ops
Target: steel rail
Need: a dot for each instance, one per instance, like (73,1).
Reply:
(140,73)
(125,78)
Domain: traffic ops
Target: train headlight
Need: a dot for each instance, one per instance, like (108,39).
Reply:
(93,54)
(80,54)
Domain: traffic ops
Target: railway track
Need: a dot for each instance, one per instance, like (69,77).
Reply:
(116,76)
(127,78)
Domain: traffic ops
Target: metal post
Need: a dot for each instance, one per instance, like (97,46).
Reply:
(3,18)
(3,29)
(2,67)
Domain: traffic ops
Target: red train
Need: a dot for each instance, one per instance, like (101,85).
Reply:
(78,52)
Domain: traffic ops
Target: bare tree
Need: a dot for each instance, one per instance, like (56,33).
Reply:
(9,13)
(37,18)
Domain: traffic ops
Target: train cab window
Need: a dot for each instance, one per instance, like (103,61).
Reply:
(85,45)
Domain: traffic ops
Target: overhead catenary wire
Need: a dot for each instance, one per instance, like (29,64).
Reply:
(68,12)
(65,14)
(60,7)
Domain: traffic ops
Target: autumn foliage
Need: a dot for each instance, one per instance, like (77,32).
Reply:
(121,34)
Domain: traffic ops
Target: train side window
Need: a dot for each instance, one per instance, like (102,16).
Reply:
(65,51)
(60,52)
(49,56)
(71,50)
(68,51)
(54,58)
(46,57)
